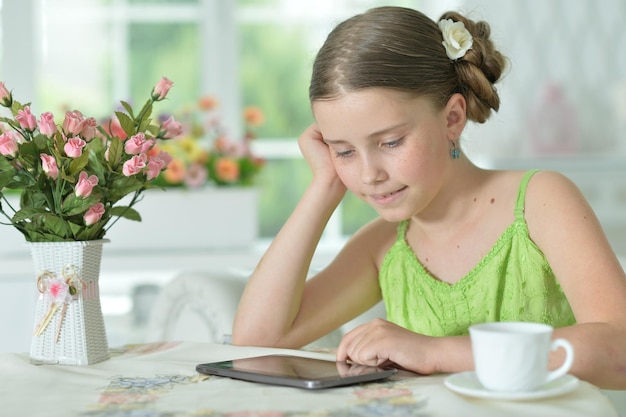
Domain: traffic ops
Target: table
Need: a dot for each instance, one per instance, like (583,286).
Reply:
(159,379)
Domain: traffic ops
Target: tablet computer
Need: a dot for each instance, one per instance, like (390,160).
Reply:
(296,371)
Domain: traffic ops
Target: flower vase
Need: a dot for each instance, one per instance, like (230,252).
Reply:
(69,326)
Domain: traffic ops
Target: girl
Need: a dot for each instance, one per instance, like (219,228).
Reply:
(391,92)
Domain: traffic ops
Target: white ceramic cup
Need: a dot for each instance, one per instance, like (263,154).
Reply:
(513,356)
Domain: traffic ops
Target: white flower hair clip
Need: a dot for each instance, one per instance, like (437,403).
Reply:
(456,38)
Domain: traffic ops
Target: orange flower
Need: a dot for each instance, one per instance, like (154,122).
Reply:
(175,172)
(207,103)
(227,169)
(253,116)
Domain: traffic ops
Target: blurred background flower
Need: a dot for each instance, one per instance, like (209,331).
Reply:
(205,153)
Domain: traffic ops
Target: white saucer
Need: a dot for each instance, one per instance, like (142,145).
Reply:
(467,383)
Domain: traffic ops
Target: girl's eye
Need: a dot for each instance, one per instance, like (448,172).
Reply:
(393,143)
(343,154)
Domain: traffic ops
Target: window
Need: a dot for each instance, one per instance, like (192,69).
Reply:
(89,54)
(278,40)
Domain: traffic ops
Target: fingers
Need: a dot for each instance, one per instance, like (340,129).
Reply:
(311,132)
(366,344)
(318,155)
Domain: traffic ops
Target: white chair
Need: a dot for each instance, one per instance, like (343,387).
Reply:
(196,306)
(201,306)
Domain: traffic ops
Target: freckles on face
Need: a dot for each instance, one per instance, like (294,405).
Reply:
(375,123)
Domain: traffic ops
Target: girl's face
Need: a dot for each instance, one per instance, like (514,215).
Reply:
(389,150)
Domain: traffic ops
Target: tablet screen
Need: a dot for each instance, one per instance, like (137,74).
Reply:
(296,371)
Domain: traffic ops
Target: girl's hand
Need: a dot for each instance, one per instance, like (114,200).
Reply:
(381,343)
(317,153)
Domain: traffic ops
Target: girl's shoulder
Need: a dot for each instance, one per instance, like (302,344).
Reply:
(552,198)
(550,190)
(531,184)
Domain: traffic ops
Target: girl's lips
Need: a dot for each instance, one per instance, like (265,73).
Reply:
(387,198)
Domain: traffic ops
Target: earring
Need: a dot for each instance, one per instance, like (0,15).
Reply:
(455,152)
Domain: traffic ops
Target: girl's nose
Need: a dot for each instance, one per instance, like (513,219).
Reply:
(372,171)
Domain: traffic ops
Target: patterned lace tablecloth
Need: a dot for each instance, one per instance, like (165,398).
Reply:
(159,379)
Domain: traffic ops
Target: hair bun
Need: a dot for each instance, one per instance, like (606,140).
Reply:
(479,70)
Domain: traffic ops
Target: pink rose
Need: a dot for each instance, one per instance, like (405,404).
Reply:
(165,157)
(73,122)
(26,119)
(171,128)
(46,124)
(161,89)
(49,165)
(5,96)
(94,214)
(134,165)
(138,144)
(8,144)
(74,147)
(89,131)
(155,165)
(85,184)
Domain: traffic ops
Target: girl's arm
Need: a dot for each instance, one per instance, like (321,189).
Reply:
(277,308)
(563,225)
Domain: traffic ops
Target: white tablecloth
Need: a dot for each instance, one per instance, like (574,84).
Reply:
(159,379)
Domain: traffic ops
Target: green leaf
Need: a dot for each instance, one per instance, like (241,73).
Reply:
(27,214)
(34,198)
(73,205)
(96,165)
(116,151)
(143,126)
(128,125)
(55,225)
(153,129)
(103,132)
(146,110)
(17,106)
(59,143)
(29,152)
(43,236)
(41,222)
(128,108)
(126,212)
(122,186)
(7,172)
(94,231)
(43,142)
(77,164)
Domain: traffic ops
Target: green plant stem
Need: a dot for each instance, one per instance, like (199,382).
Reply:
(133,201)
(6,200)
(5,214)
(143,111)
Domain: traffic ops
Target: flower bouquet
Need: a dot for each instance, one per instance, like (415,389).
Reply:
(72,178)
(204,154)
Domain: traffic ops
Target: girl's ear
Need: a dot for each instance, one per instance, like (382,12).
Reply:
(456,116)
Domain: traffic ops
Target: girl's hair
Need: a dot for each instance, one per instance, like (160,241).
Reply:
(401,48)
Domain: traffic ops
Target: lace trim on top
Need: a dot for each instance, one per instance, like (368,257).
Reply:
(512,282)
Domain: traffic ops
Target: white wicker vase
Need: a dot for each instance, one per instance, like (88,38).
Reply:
(69,327)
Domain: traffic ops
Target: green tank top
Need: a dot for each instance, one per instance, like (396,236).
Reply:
(513,282)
